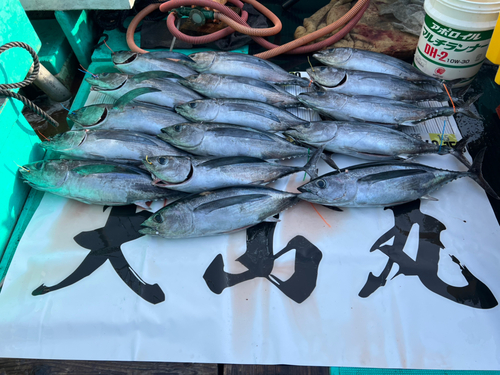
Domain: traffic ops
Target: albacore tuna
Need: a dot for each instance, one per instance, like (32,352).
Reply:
(95,182)
(169,95)
(134,63)
(368,141)
(257,115)
(125,115)
(238,64)
(195,175)
(226,86)
(218,211)
(374,109)
(385,184)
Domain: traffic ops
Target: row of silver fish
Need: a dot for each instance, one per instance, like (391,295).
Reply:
(233,152)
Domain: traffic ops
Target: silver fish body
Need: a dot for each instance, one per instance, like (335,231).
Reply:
(238,64)
(94,182)
(377,184)
(232,87)
(357,59)
(218,212)
(363,140)
(257,115)
(169,95)
(353,83)
(136,118)
(224,140)
(194,175)
(371,109)
(133,63)
(112,145)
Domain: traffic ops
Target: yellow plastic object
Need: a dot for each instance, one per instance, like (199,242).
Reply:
(493,53)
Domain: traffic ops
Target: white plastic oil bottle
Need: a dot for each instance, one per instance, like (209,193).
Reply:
(455,37)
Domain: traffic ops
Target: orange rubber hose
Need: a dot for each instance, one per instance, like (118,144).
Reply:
(315,35)
(250,30)
(133,25)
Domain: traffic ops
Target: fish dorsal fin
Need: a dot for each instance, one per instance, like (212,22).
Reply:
(221,162)
(390,175)
(156,74)
(253,82)
(253,110)
(228,202)
(131,95)
(167,55)
(241,133)
(86,170)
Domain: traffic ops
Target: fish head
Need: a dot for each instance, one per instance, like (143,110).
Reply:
(327,75)
(320,99)
(45,175)
(334,56)
(201,83)
(107,81)
(315,132)
(65,141)
(198,110)
(202,60)
(172,221)
(171,169)
(186,135)
(90,116)
(324,189)
(123,57)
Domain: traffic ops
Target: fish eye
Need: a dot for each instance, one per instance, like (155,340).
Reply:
(307,125)
(158,218)
(162,160)
(193,104)
(104,74)
(177,128)
(321,184)
(38,165)
(320,93)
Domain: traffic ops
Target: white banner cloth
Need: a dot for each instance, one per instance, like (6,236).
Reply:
(403,324)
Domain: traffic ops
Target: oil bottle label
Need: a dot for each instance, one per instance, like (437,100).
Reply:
(449,53)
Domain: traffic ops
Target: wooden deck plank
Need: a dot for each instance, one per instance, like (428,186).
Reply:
(54,367)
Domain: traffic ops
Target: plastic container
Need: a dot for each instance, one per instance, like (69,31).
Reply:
(493,53)
(455,37)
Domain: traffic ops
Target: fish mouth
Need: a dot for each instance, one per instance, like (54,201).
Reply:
(303,189)
(148,230)
(309,197)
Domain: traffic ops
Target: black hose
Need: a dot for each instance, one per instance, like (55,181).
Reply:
(5,87)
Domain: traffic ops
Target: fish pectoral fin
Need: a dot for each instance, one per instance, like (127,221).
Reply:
(390,175)
(230,201)
(255,111)
(154,75)
(272,219)
(333,208)
(429,198)
(131,95)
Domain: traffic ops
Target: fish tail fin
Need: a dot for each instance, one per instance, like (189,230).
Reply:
(310,168)
(465,108)
(475,172)
(458,151)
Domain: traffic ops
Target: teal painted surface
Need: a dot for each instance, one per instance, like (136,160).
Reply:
(375,371)
(79,30)
(117,42)
(55,47)
(32,203)
(17,139)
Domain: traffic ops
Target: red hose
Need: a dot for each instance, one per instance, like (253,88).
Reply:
(200,39)
(354,15)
